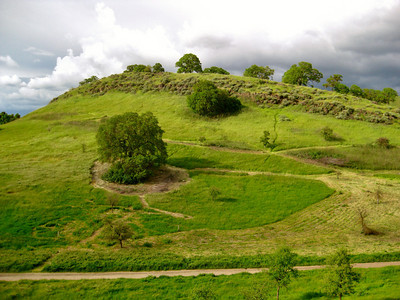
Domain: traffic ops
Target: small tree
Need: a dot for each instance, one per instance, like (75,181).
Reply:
(340,278)
(383,142)
(208,100)
(113,200)
(281,268)
(341,88)
(214,193)
(356,91)
(158,68)
(189,63)
(302,74)
(333,81)
(259,72)
(119,231)
(389,94)
(216,70)
(89,80)
(138,68)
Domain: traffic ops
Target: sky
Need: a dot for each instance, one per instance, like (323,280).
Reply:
(48,46)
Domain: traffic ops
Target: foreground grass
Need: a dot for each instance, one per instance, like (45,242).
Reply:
(375,284)
(244,201)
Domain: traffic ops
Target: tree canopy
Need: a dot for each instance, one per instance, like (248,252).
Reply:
(158,68)
(302,74)
(216,70)
(138,68)
(208,100)
(259,72)
(189,63)
(89,80)
(5,118)
(333,81)
(341,278)
(133,144)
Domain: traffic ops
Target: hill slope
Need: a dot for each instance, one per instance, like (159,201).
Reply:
(51,208)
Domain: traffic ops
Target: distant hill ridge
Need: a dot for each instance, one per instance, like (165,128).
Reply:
(264,93)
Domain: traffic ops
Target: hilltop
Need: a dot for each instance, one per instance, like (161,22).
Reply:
(307,193)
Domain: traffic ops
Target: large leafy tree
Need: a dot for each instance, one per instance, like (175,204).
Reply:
(302,74)
(133,144)
(189,63)
(333,81)
(259,72)
(281,268)
(340,278)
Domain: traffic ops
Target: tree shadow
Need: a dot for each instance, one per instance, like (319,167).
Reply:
(226,199)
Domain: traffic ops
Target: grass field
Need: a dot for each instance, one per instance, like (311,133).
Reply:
(49,205)
(374,284)
(244,201)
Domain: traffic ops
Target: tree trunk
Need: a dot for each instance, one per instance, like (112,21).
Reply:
(277,293)
(120,242)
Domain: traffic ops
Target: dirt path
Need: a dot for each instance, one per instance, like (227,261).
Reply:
(144,274)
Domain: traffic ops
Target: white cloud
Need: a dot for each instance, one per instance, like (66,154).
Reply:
(8,61)
(9,80)
(39,52)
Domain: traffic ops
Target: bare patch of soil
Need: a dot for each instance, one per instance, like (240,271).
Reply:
(166,179)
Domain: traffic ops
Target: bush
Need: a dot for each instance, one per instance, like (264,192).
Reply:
(208,100)
(216,70)
(328,134)
(383,142)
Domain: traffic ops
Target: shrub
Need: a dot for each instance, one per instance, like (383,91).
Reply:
(208,100)
(328,134)
(216,70)
(383,142)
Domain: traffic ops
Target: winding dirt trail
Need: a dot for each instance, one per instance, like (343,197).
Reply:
(144,274)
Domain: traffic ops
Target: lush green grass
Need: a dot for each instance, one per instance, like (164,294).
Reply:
(141,258)
(358,157)
(191,157)
(245,201)
(374,284)
(389,176)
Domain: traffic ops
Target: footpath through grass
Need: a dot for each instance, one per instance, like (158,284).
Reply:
(374,284)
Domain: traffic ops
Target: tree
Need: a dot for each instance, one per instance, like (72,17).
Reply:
(390,94)
(113,200)
(138,68)
(216,70)
(214,193)
(118,230)
(89,80)
(158,68)
(341,88)
(133,144)
(259,72)
(281,268)
(302,74)
(5,118)
(356,91)
(188,63)
(340,278)
(333,81)
(208,100)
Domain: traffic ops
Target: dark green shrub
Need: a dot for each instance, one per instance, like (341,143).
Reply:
(208,100)
(216,70)
(383,142)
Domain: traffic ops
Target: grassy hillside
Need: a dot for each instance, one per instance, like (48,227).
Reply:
(50,206)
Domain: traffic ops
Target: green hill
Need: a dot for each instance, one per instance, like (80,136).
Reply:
(305,194)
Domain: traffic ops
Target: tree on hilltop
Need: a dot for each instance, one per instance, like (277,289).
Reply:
(259,72)
(302,74)
(333,81)
(189,63)
(216,70)
(208,100)
(158,68)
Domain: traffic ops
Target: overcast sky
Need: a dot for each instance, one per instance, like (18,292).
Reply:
(48,46)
